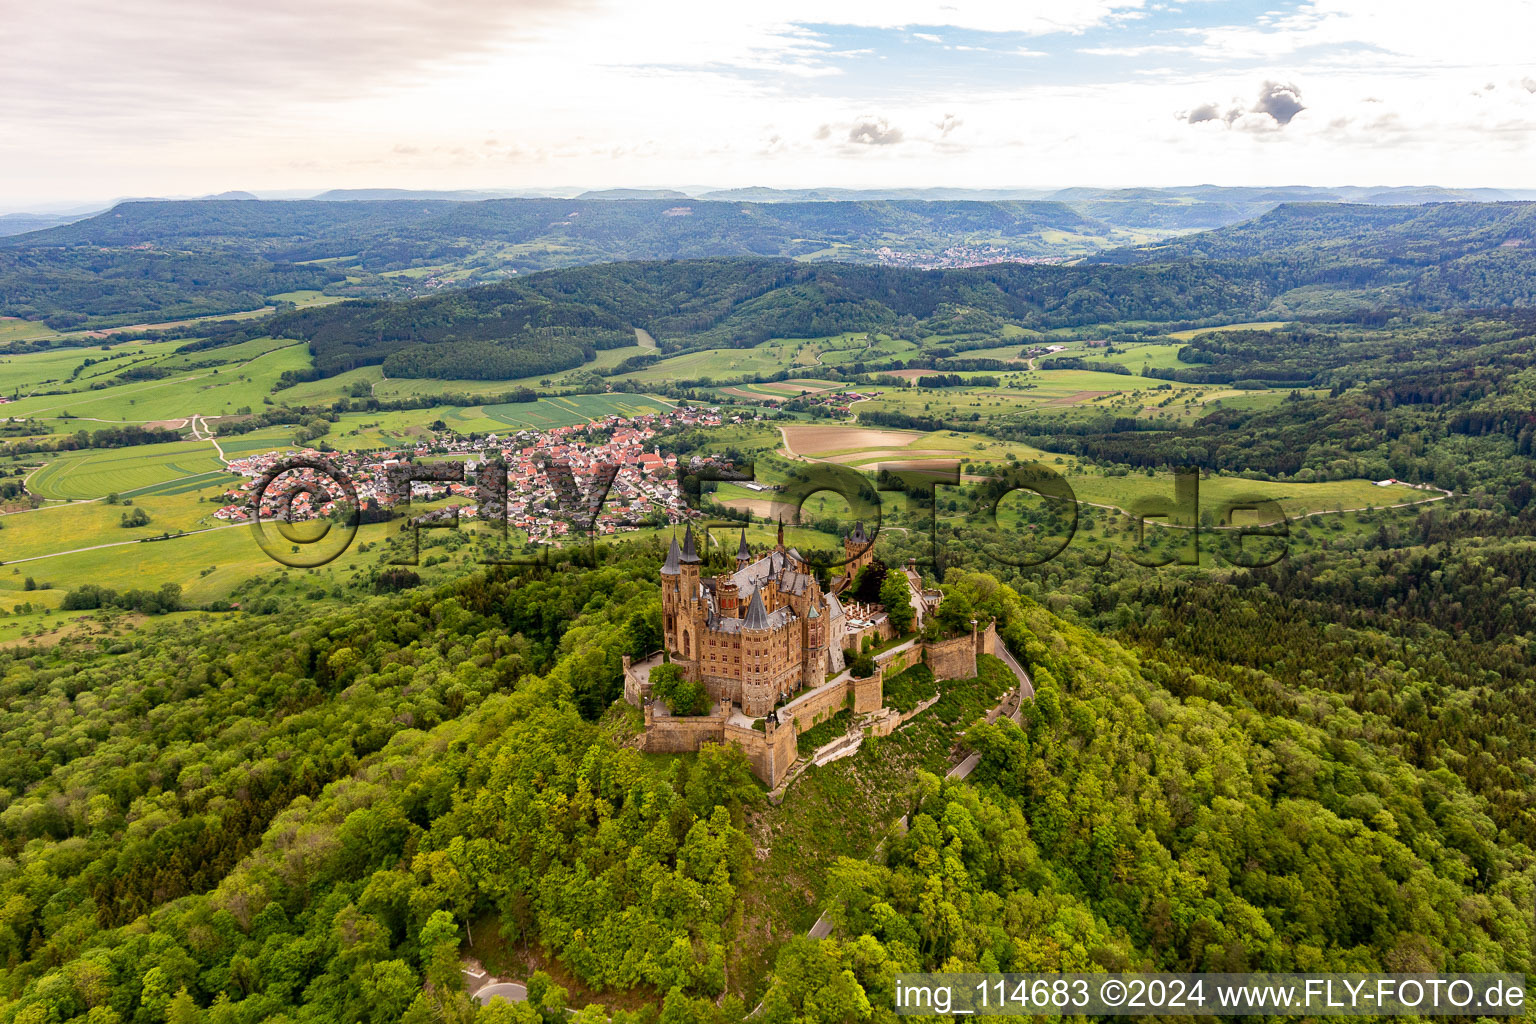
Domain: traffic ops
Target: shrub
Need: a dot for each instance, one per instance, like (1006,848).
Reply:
(682,696)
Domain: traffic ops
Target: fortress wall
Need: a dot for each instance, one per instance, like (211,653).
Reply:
(817,705)
(637,677)
(924,706)
(989,640)
(770,756)
(868,694)
(953,659)
(678,735)
(895,663)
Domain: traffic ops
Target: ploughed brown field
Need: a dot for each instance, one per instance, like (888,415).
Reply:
(811,438)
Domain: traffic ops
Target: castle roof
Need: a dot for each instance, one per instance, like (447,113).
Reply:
(858,536)
(757,615)
(670,566)
(742,551)
(690,553)
(777,619)
(775,566)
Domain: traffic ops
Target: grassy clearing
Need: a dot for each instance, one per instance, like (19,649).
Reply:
(83,524)
(1296,499)
(16,329)
(206,392)
(55,369)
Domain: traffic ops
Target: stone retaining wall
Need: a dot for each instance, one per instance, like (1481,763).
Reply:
(816,706)
(953,659)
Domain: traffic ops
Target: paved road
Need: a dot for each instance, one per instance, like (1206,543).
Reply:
(512,991)
(964,768)
(1026,685)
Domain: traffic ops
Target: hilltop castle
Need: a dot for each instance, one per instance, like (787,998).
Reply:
(767,645)
(756,635)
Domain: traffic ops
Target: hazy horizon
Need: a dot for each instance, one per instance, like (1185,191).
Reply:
(77,205)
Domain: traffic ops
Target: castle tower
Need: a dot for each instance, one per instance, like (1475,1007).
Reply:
(726,601)
(858,549)
(743,553)
(688,565)
(781,535)
(671,571)
(759,693)
(690,617)
(815,664)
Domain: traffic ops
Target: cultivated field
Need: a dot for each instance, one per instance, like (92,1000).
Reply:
(98,472)
(815,439)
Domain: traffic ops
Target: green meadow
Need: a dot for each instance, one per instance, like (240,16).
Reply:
(16,329)
(95,473)
(215,391)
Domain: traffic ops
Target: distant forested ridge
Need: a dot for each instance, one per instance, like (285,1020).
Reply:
(144,260)
(729,303)
(109,287)
(394,234)
(1438,256)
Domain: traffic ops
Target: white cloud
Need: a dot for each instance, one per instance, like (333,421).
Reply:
(184,96)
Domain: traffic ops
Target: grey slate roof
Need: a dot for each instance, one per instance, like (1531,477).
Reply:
(757,615)
(690,553)
(670,567)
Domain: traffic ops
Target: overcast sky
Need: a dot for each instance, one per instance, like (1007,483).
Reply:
(100,98)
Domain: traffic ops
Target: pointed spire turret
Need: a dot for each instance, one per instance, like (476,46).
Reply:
(781,533)
(670,566)
(742,551)
(757,615)
(690,553)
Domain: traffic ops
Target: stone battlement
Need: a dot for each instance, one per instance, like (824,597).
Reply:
(770,745)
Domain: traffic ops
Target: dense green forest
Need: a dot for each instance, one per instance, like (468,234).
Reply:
(311,820)
(72,287)
(731,303)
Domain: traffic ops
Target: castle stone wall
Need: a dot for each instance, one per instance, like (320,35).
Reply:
(770,755)
(816,705)
(953,659)
(895,662)
(678,734)
(868,694)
